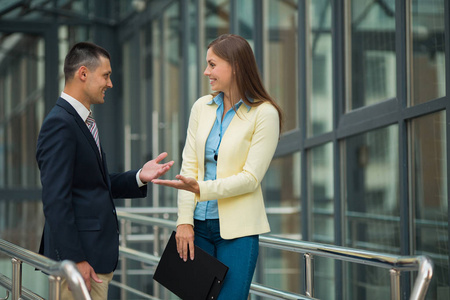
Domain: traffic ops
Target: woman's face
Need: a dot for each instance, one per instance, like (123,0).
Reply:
(219,72)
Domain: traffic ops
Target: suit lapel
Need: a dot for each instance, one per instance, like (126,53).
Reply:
(83,127)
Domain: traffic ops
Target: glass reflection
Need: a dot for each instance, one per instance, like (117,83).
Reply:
(281,188)
(372,215)
(280,57)
(319,105)
(214,22)
(22,80)
(194,66)
(430,197)
(428,44)
(246,20)
(321,193)
(156,65)
(169,116)
(217,19)
(372,203)
(321,199)
(372,66)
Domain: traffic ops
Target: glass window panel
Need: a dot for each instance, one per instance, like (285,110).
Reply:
(216,21)
(126,7)
(76,6)
(428,156)
(156,65)
(194,67)
(372,216)
(2,157)
(246,19)
(22,86)
(281,189)
(321,193)
(22,77)
(169,114)
(428,44)
(372,204)
(372,65)
(43,9)
(133,116)
(319,105)
(279,269)
(321,199)
(366,282)
(280,69)
(134,113)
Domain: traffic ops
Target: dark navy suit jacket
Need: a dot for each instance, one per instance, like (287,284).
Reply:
(77,192)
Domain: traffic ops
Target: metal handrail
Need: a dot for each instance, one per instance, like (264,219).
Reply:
(394,263)
(420,263)
(55,270)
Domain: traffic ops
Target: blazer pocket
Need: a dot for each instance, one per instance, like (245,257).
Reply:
(92,224)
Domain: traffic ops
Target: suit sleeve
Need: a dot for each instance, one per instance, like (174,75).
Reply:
(56,157)
(124,185)
(262,148)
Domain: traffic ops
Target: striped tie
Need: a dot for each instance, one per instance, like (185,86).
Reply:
(90,122)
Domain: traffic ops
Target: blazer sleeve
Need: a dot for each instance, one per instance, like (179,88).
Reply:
(55,156)
(262,148)
(189,168)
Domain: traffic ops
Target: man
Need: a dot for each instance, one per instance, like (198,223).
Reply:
(77,190)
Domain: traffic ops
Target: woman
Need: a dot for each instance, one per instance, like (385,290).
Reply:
(231,138)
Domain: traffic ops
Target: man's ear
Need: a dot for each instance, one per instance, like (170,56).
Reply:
(82,73)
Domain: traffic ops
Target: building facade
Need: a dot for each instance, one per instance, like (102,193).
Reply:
(365,90)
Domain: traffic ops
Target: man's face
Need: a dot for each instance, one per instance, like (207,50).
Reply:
(98,81)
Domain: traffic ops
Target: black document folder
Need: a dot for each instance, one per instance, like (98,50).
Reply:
(197,279)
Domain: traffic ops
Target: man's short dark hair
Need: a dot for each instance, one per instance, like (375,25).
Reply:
(83,54)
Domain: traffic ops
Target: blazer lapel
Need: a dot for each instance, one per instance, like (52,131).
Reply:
(239,121)
(205,124)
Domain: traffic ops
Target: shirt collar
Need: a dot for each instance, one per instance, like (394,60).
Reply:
(82,111)
(219,100)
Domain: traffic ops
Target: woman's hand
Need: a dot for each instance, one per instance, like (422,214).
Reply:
(183,183)
(185,241)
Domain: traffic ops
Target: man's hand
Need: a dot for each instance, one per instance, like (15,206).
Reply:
(153,169)
(183,183)
(87,272)
(185,241)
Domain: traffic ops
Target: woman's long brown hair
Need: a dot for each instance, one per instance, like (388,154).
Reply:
(237,52)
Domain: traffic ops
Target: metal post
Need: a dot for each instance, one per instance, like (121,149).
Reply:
(395,284)
(309,274)
(423,278)
(54,287)
(155,190)
(156,235)
(123,262)
(16,288)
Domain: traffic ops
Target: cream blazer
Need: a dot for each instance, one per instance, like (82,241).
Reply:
(245,153)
